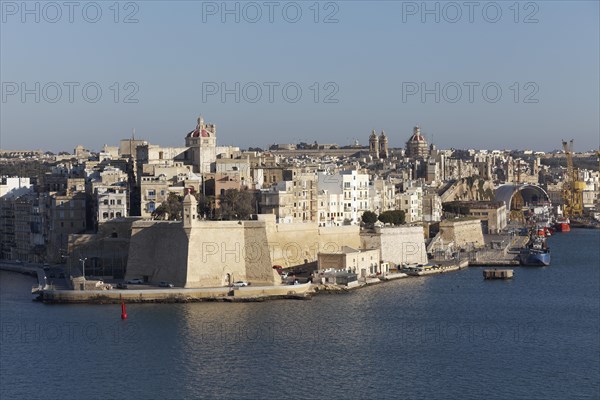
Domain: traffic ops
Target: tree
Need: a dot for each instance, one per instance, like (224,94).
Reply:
(369,218)
(236,204)
(206,205)
(170,210)
(394,217)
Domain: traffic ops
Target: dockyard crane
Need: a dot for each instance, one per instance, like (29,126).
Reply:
(572,192)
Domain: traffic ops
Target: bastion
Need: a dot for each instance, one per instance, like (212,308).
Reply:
(197,253)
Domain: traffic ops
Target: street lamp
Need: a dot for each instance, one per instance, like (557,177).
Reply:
(83,267)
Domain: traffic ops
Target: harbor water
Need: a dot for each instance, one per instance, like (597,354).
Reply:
(448,336)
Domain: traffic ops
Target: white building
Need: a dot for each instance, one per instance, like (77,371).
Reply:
(111,202)
(14,186)
(354,188)
(411,202)
(330,208)
(382,196)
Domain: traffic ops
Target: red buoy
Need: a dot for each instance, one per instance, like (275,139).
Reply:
(123,310)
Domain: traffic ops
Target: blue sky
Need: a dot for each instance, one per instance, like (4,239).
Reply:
(373,63)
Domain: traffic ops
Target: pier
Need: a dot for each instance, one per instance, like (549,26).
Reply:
(497,274)
(500,251)
(179,295)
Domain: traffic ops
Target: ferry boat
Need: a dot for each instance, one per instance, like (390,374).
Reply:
(536,253)
(562,225)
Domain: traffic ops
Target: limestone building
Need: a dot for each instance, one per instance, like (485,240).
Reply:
(416,147)
(202,143)
(378,145)
(354,188)
(374,145)
(383,145)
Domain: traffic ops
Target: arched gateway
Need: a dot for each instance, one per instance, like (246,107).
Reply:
(519,197)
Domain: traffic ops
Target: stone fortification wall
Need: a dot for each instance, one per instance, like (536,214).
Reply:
(464,233)
(217,253)
(159,251)
(398,245)
(106,251)
(299,243)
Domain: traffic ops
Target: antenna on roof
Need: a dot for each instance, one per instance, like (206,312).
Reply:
(133,134)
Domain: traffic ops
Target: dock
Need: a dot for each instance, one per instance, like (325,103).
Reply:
(179,295)
(497,274)
(393,275)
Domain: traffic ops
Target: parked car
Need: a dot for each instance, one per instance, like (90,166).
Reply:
(135,281)
(121,285)
(165,284)
(240,284)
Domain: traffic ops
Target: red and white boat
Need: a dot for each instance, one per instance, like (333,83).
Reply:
(562,225)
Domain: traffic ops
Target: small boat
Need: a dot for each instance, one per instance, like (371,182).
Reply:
(562,225)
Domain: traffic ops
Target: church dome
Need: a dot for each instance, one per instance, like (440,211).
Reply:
(198,133)
(416,136)
(200,130)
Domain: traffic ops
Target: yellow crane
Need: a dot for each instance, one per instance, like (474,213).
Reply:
(572,192)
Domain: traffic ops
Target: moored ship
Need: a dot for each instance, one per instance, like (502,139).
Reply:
(536,253)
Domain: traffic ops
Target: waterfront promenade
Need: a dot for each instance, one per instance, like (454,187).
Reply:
(50,294)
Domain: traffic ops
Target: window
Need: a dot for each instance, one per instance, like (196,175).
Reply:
(119,202)
(151,193)
(105,215)
(112,202)
(105,202)
(151,206)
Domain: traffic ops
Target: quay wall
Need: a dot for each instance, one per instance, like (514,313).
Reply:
(177,295)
